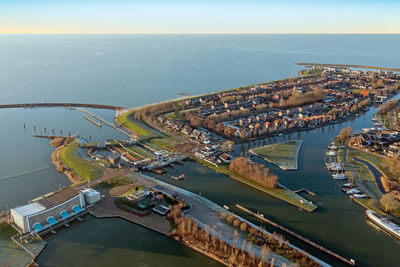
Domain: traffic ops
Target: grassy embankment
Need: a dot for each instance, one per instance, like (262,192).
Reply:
(364,175)
(284,155)
(165,142)
(280,192)
(307,72)
(84,168)
(126,121)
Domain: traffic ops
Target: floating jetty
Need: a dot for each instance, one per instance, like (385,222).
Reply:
(350,262)
(305,190)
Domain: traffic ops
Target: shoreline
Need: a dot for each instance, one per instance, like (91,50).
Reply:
(60,166)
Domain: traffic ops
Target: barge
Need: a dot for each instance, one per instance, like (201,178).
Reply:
(384,223)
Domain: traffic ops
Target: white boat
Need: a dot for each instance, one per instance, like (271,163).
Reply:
(353,191)
(331,153)
(359,196)
(384,223)
(226,207)
(333,147)
(339,176)
(348,185)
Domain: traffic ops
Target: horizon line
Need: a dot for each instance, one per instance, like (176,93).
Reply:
(188,33)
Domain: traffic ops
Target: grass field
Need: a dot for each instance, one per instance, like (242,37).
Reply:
(283,155)
(363,173)
(165,142)
(84,168)
(304,73)
(375,160)
(281,193)
(116,181)
(125,120)
(141,152)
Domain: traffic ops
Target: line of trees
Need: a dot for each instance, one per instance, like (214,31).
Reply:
(253,171)
(389,106)
(269,242)
(296,100)
(363,103)
(211,243)
(345,133)
(147,113)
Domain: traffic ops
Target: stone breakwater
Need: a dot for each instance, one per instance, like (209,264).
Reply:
(66,105)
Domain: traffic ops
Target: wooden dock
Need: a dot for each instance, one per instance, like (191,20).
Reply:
(305,190)
(350,262)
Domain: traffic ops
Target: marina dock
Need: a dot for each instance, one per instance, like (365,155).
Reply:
(305,240)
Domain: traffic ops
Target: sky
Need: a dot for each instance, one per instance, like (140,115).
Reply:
(205,16)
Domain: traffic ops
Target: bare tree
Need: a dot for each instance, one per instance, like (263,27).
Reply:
(389,201)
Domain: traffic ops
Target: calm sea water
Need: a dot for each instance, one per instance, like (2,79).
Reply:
(132,70)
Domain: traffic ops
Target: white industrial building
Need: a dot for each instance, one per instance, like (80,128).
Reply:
(52,209)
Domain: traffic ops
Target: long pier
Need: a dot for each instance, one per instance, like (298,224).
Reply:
(350,262)
(104,121)
(92,121)
(25,173)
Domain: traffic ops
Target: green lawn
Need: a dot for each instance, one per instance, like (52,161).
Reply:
(141,152)
(304,73)
(84,168)
(116,181)
(375,160)
(284,154)
(165,142)
(371,204)
(363,173)
(280,192)
(126,120)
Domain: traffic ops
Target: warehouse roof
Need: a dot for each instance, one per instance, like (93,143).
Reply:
(58,197)
(29,209)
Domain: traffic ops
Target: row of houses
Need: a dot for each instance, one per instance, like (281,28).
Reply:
(383,142)
(199,134)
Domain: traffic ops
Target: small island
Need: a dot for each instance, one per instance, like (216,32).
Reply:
(284,155)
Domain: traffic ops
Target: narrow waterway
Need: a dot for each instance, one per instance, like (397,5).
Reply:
(116,242)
